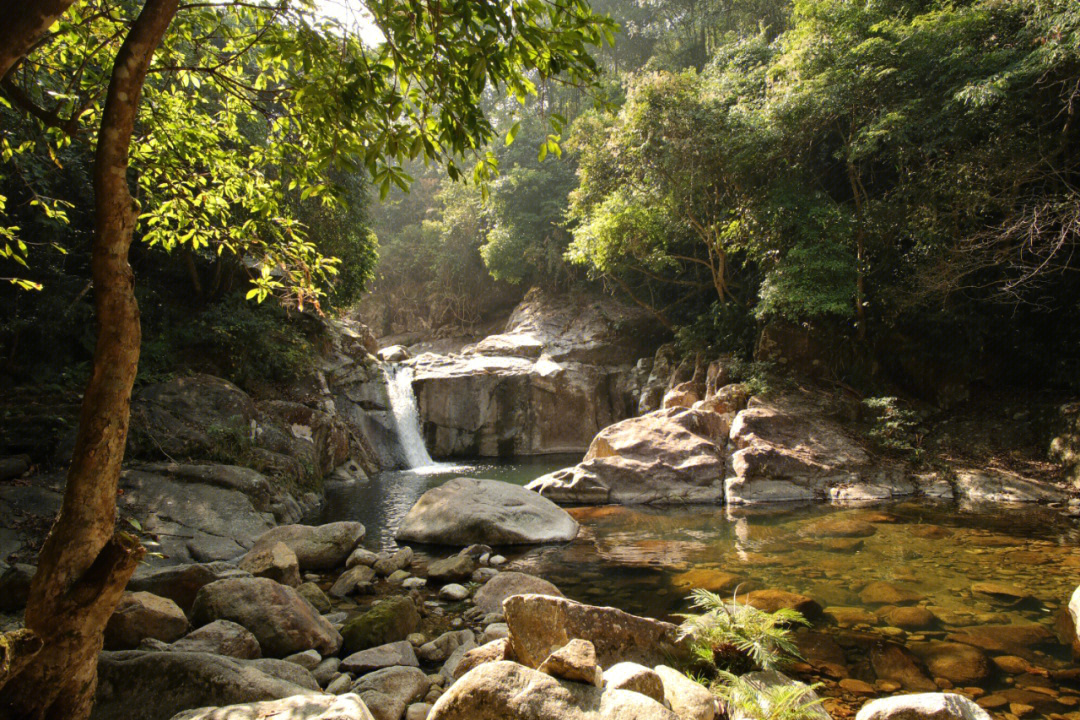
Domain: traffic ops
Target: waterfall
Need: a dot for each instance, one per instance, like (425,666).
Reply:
(406,416)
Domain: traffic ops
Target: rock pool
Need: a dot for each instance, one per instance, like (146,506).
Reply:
(913,595)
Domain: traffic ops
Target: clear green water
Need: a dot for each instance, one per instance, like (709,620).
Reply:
(932,555)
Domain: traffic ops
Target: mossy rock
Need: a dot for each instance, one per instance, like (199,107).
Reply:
(389,621)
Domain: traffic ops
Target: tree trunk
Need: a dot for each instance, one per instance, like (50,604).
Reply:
(25,21)
(85,565)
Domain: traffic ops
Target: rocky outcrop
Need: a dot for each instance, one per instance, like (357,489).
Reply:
(675,455)
(501,690)
(301,707)
(789,448)
(1002,486)
(563,369)
(469,510)
(538,623)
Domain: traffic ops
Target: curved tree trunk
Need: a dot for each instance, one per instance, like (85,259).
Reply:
(84,565)
(25,21)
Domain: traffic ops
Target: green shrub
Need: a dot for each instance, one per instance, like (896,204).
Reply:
(894,427)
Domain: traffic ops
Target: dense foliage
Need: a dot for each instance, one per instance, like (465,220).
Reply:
(896,177)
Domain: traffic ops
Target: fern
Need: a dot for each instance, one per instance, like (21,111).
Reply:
(738,637)
(772,702)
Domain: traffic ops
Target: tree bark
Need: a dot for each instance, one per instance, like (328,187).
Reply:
(85,565)
(25,21)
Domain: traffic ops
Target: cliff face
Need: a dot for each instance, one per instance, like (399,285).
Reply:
(565,368)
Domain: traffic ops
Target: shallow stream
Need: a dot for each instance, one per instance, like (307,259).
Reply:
(992,578)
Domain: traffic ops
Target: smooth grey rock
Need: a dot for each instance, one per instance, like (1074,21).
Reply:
(922,706)
(470,510)
(325,672)
(348,581)
(393,654)
(688,699)
(453,592)
(442,647)
(308,659)
(406,684)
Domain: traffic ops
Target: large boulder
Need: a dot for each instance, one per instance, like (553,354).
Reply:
(923,706)
(675,455)
(389,621)
(137,685)
(508,691)
(283,622)
(300,707)
(791,448)
(539,624)
(489,598)
(464,511)
(142,615)
(317,547)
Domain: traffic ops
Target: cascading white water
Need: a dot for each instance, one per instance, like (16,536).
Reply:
(406,416)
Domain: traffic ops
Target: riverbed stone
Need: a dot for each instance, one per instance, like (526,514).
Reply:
(894,662)
(503,690)
(711,579)
(317,547)
(221,637)
(442,647)
(393,654)
(772,599)
(388,621)
(314,595)
(348,581)
(885,593)
(464,511)
(455,567)
(540,624)
(958,663)
(405,684)
(489,598)
(300,707)
(635,677)
(141,615)
(1013,639)
(909,618)
(382,706)
(670,456)
(924,706)
(283,622)
(276,562)
(361,556)
(574,661)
